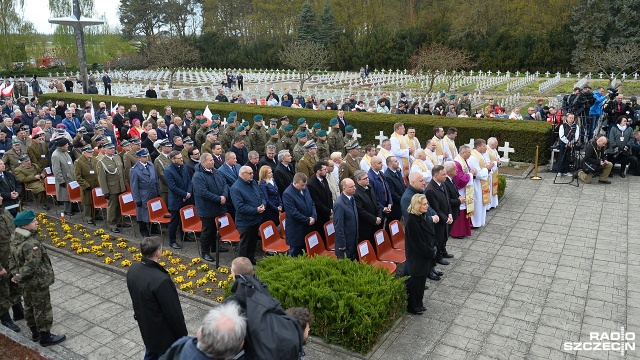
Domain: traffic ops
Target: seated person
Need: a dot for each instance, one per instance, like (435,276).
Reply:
(634,159)
(595,162)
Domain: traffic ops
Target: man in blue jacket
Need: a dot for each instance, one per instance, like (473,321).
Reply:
(211,193)
(345,220)
(230,171)
(249,203)
(595,112)
(300,211)
(178,181)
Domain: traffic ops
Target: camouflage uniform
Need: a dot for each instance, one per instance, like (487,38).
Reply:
(226,139)
(279,144)
(298,151)
(323,149)
(464,104)
(9,291)
(335,139)
(31,265)
(289,142)
(201,136)
(257,136)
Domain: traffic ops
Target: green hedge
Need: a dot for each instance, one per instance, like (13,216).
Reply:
(521,135)
(353,304)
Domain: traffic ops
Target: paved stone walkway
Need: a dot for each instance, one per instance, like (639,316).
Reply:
(553,264)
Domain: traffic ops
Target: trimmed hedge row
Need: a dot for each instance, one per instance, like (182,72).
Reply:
(523,136)
(353,304)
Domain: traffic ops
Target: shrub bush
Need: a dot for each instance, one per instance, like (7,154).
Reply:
(353,304)
(521,135)
(502,185)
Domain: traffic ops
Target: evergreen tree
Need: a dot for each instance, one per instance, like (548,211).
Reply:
(327,29)
(306,23)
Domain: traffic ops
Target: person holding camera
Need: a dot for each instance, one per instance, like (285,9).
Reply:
(569,135)
(615,109)
(620,138)
(595,162)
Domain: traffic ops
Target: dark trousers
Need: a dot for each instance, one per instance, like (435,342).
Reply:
(295,250)
(107,88)
(622,159)
(150,355)
(248,241)
(144,228)
(349,253)
(209,234)
(415,292)
(565,158)
(174,224)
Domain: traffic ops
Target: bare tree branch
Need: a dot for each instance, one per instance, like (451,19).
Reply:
(614,60)
(173,54)
(437,59)
(305,57)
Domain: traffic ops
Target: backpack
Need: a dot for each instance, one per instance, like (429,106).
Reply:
(271,334)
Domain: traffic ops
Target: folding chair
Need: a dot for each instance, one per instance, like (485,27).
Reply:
(50,188)
(75,194)
(330,235)
(283,219)
(128,208)
(315,246)
(99,202)
(384,251)
(191,223)
(227,229)
(158,214)
(397,235)
(368,256)
(271,241)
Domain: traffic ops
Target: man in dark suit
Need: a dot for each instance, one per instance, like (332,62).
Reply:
(230,172)
(321,196)
(345,221)
(455,199)
(242,154)
(342,122)
(269,158)
(283,175)
(300,211)
(369,210)
(439,201)
(393,176)
(380,186)
(218,158)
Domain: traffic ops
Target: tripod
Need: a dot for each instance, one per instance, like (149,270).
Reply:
(576,157)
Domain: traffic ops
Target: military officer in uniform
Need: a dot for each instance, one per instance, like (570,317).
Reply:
(9,291)
(257,135)
(212,136)
(145,185)
(273,124)
(298,150)
(161,163)
(32,176)
(323,146)
(187,142)
(335,137)
(302,126)
(11,158)
(289,140)
(201,133)
(228,134)
(314,132)
(464,103)
(274,140)
(305,165)
(284,121)
(350,164)
(31,269)
(62,168)
(348,137)
(84,169)
(38,151)
(110,171)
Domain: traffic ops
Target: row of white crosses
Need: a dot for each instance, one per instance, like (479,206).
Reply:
(548,84)
(520,82)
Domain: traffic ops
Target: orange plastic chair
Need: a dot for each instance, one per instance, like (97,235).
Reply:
(227,229)
(99,202)
(368,256)
(127,208)
(50,188)
(330,235)
(315,246)
(191,223)
(283,219)
(75,195)
(397,235)
(158,214)
(384,250)
(272,243)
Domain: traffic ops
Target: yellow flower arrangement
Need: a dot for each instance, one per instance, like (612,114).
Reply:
(78,227)
(96,248)
(208,291)
(87,236)
(75,240)
(137,257)
(120,239)
(187,287)
(219,299)
(76,246)
(105,237)
(191,274)
(90,242)
(182,267)
(166,253)
(201,282)
(172,271)
(203,267)
(53,233)
(176,261)
(61,244)
(85,250)
(68,237)
(99,254)
(106,244)
(108,260)
(132,249)
(79,251)
(110,249)
(196,260)
(117,256)
(125,263)
(122,245)
(223,270)
(222,284)
(230,278)
(178,279)
(162,263)
(99,232)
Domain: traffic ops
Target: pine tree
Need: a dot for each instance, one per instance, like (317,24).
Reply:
(327,29)
(306,23)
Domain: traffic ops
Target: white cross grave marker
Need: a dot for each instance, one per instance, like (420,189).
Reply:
(356,135)
(381,137)
(471,142)
(506,149)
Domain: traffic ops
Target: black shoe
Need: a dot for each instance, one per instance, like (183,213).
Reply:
(47,338)
(45,207)
(99,218)
(415,311)
(115,230)
(144,235)
(604,181)
(610,175)
(207,257)
(125,225)
(437,272)
(422,308)
(155,232)
(91,222)
(175,246)
(623,174)
(6,321)
(458,237)
(35,334)
(433,276)
(442,261)
(448,256)
(18,312)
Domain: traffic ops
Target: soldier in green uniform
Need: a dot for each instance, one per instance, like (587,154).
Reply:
(201,133)
(442,102)
(196,124)
(314,132)
(464,103)
(302,126)
(323,146)
(110,171)
(84,168)
(284,121)
(161,163)
(98,131)
(350,164)
(32,176)
(23,136)
(125,147)
(212,136)
(348,137)
(305,165)
(335,139)
(187,142)
(9,291)
(38,151)
(257,135)
(298,150)
(32,271)
(289,141)
(228,134)
(274,140)
(129,158)
(11,158)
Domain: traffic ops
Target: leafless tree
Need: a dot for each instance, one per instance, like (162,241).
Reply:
(173,54)
(614,60)
(305,57)
(438,60)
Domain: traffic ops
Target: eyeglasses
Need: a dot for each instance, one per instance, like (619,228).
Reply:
(364,179)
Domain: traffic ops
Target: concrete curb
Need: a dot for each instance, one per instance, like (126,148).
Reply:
(28,343)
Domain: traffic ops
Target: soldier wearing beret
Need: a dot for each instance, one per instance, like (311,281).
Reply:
(289,140)
(257,135)
(9,291)
(84,169)
(274,140)
(302,126)
(323,146)
(335,137)
(229,132)
(32,271)
(201,133)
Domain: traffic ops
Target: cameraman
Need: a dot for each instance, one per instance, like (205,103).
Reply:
(615,109)
(634,159)
(569,133)
(620,138)
(569,101)
(595,112)
(595,162)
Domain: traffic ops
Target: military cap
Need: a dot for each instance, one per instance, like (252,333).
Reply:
(98,127)
(284,118)
(310,145)
(23,158)
(215,117)
(100,138)
(15,141)
(353,144)
(230,120)
(213,126)
(240,128)
(466,93)
(142,152)
(273,121)
(403,95)
(322,133)
(245,123)
(165,143)
(301,121)
(135,140)
(203,121)
(273,131)
(348,128)
(24,218)
(333,122)
(109,146)
(24,127)
(288,127)
(60,131)
(233,114)
(60,142)
(198,112)
(82,130)
(452,97)
(156,144)
(317,126)
(257,118)
(125,143)
(87,148)
(211,130)
(38,135)
(187,140)
(302,134)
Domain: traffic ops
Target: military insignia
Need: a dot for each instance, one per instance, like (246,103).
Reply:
(35,248)
(341,170)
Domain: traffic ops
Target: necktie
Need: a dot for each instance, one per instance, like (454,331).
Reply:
(235,171)
(384,186)
(442,188)
(322,183)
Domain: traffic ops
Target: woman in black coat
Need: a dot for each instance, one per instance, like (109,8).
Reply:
(270,191)
(420,250)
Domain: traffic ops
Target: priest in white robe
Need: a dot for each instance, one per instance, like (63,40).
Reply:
(481,187)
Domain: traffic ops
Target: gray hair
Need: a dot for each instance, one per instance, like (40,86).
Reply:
(359,174)
(205,157)
(449,165)
(253,154)
(223,331)
(492,140)
(41,122)
(385,142)
(464,148)
(282,154)
(271,148)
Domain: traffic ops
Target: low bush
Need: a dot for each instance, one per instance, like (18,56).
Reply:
(521,135)
(502,185)
(353,304)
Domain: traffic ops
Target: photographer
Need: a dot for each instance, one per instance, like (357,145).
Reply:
(620,138)
(569,135)
(570,101)
(595,112)
(595,162)
(615,109)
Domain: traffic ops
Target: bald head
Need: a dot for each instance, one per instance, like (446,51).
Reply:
(376,163)
(416,180)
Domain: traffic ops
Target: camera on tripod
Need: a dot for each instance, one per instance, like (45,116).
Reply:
(613,92)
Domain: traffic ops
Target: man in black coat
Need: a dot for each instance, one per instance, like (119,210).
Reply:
(369,210)
(342,121)
(595,162)
(284,173)
(439,201)
(242,154)
(455,200)
(156,305)
(269,158)
(393,175)
(10,190)
(321,196)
